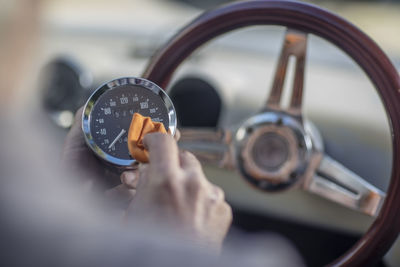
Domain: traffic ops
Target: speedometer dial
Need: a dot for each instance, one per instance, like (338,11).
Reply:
(108,114)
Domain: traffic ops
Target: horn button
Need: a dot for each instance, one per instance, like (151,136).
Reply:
(273,150)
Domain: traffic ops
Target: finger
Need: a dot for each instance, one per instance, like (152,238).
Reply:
(216,194)
(177,135)
(74,137)
(225,211)
(78,118)
(188,161)
(121,193)
(163,152)
(130,178)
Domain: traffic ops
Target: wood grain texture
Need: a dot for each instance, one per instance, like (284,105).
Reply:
(311,19)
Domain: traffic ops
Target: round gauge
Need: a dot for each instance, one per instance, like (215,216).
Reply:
(108,113)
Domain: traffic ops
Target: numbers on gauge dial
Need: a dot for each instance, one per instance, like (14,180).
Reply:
(112,115)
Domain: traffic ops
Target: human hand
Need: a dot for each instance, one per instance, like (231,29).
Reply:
(173,190)
(79,160)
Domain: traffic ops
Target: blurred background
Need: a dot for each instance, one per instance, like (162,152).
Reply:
(82,44)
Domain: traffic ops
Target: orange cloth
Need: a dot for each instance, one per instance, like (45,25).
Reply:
(140,126)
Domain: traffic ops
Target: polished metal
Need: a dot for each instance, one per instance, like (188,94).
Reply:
(271,153)
(296,143)
(335,182)
(209,145)
(112,85)
(295,45)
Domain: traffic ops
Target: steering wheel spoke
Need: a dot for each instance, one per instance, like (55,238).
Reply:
(335,182)
(211,146)
(295,45)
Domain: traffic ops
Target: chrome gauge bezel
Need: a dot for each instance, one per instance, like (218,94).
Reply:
(112,85)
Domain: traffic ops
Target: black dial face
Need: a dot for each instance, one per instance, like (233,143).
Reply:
(112,114)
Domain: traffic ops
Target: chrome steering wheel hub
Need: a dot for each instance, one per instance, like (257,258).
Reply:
(273,150)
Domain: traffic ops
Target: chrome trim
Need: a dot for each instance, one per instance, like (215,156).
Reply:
(293,173)
(295,45)
(281,174)
(337,183)
(111,85)
(209,145)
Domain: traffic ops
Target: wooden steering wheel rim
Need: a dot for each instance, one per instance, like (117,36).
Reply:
(311,19)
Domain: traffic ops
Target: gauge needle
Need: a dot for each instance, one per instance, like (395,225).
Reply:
(117,138)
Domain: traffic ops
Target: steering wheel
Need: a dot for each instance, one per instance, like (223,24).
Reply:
(277,148)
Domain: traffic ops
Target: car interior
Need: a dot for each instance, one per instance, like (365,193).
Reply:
(230,75)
